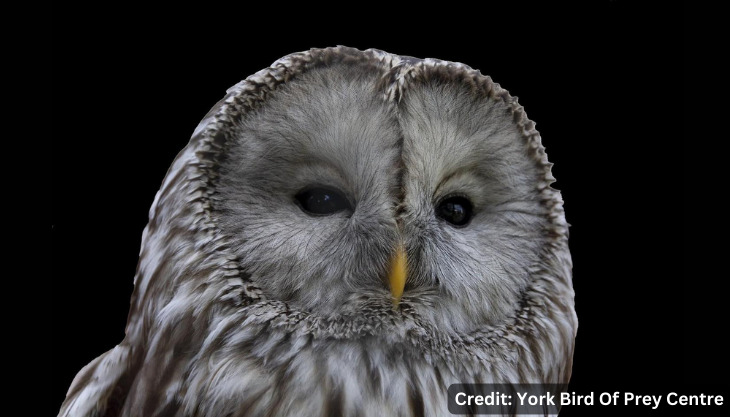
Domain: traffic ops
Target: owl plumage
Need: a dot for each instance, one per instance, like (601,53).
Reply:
(249,302)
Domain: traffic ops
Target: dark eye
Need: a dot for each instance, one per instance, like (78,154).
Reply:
(455,210)
(321,201)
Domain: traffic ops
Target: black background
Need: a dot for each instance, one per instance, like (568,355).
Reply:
(605,84)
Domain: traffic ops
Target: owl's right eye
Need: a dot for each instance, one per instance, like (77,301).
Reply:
(322,201)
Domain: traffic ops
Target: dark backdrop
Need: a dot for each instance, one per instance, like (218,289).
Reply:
(604,84)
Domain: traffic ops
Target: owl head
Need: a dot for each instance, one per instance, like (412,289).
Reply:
(373,179)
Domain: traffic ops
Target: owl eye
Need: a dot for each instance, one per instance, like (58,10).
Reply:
(455,210)
(322,201)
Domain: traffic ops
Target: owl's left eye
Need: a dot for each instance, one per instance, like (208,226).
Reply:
(322,201)
(456,210)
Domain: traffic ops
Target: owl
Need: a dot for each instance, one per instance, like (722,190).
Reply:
(347,233)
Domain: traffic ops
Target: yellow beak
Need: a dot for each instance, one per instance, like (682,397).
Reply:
(398,273)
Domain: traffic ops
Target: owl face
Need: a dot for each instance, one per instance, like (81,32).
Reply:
(339,171)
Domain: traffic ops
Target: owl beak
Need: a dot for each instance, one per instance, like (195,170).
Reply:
(398,273)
